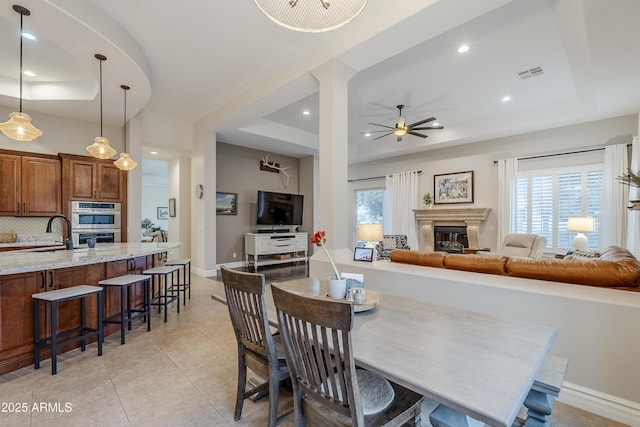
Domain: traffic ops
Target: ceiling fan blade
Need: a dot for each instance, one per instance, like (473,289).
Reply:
(428,127)
(382,136)
(375,131)
(417,134)
(430,119)
(384,126)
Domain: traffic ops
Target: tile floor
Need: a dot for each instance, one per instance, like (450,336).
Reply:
(182,373)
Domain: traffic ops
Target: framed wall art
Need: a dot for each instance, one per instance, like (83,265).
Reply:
(163,212)
(226,203)
(453,188)
(172,207)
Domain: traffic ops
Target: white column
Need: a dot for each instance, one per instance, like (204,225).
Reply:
(333,79)
(203,220)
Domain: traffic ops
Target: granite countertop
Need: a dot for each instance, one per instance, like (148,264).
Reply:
(27,260)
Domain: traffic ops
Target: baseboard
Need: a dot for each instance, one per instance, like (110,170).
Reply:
(605,405)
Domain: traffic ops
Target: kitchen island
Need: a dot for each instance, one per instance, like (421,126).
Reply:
(26,272)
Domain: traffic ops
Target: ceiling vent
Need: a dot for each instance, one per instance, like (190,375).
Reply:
(531,72)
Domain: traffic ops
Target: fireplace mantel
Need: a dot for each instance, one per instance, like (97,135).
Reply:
(469,217)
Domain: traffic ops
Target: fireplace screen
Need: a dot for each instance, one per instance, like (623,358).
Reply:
(450,239)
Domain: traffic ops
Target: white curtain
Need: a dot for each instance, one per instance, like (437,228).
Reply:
(615,196)
(633,224)
(507,197)
(401,196)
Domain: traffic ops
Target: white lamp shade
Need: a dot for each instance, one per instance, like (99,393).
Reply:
(369,232)
(581,224)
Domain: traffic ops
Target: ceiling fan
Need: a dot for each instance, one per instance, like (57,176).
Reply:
(401,128)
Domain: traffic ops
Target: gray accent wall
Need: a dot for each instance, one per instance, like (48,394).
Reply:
(238,171)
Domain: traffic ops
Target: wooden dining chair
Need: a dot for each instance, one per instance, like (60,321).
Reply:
(327,387)
(257,349)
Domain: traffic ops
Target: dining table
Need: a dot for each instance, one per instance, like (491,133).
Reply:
(479,365)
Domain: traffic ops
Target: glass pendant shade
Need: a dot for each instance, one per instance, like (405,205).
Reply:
(101,148)
(125,162)
(20,128)
(311,16)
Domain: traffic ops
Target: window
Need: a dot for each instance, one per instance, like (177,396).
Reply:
(547,198)
(369,208)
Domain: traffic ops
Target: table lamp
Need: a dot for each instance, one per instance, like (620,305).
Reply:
(370,233)
(581,224)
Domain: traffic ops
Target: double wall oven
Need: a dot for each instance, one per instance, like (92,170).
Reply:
(100,220)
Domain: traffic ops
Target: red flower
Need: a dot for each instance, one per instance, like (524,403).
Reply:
(319,239)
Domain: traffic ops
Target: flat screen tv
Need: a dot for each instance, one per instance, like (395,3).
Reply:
(278,208)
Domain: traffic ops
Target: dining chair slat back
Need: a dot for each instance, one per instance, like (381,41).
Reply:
(257,349)
(327,387)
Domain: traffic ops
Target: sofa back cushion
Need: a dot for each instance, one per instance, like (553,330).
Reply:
(427,259)
(491,264)
(616,267)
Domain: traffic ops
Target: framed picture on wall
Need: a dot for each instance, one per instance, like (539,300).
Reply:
(172,207)
(453,188)
(226,203)
(163,212)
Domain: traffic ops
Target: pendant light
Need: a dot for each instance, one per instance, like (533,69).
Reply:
(101,148)
(125,162)
(19,126)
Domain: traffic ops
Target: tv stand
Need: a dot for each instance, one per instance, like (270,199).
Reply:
(275,248)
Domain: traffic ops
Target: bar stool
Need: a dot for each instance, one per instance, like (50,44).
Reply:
(59,339)
(125,283)
(166,293)
(186,276)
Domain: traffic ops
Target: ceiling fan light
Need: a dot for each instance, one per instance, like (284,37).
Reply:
(101,149)
(20,128)
(125,162)
(400,131)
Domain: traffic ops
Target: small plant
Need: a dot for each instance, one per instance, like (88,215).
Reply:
(427,199)
(147,224)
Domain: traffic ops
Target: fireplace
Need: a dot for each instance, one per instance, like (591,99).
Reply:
(468,219)
(450,239)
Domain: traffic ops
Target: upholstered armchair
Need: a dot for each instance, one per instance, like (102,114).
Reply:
(390,242)
(523,245)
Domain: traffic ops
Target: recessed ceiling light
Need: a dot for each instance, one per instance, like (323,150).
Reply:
(29,73)
(463,48)
(506,98)
(435,124)
(28,36)
(154,152)
(367,134)
(306,112)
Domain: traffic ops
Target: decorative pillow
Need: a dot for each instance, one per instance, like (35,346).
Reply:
(580,255)
(389,243)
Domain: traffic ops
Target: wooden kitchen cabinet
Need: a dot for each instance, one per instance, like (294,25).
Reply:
(88,179)
(16,319)
(30,185)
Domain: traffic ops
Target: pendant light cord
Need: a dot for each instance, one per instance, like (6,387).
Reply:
(100,96)
(21,18)
(124,127)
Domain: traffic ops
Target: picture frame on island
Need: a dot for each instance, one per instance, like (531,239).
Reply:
(453,188)
(363,254)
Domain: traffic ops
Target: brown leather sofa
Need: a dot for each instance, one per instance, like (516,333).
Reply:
(615,268)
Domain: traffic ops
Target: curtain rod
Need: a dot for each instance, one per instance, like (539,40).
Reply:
(560,154)
(374,177)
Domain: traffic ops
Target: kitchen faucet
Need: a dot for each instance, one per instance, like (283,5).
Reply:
(69,242)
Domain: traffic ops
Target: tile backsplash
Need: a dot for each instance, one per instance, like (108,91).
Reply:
(27,227)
